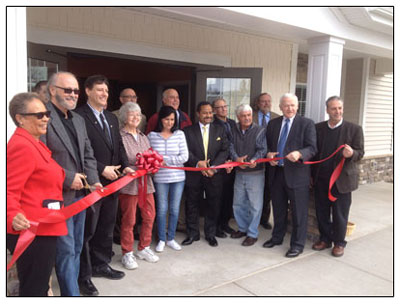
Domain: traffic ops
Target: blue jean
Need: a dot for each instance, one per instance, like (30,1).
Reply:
(174,192)
(68,254)
(248,201)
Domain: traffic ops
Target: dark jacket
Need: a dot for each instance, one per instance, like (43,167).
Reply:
(352,135)
(301,137)
(104,153)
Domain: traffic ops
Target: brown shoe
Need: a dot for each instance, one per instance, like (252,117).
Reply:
(321,245)
(338,251)
(238,234)
(249,241)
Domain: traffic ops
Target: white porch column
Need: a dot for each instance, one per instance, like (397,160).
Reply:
(16,58)
(324,74)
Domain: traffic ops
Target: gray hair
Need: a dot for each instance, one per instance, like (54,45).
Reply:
(128,107)
(243,107)
(53,79)
(333,98)
(216,100)
(19,103)
(289,95)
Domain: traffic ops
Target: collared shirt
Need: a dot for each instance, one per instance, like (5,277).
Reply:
(97,115)
(261,115)
(202,129)
(337,125)
(283,124)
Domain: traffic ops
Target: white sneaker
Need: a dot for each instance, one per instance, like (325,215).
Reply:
(148,255)
(174,245)
(129,261)
(160,246)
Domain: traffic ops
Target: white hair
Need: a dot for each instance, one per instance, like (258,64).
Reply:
(289,95)
(128,107)
(243,107)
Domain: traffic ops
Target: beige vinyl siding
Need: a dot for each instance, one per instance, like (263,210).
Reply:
(378,120)
(353,89)
(244,50)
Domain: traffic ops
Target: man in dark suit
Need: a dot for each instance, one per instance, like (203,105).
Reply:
(67,139)
(330,135)
(220,109)
(293,137)
(103,131)
(261,116)
(208,146)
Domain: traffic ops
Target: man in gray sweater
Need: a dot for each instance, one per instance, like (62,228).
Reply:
(248,145)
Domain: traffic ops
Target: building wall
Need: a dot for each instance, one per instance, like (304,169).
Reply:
(353,89)
(378,116)
(245,50)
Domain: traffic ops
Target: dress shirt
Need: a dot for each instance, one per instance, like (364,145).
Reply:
(283,124)
(261,115)
(97,115)
(337,125)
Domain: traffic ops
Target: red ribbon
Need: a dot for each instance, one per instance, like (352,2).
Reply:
(335,175)
(150,161)
(147,162)
(53,216)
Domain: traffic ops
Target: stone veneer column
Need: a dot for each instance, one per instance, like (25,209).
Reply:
(324,74)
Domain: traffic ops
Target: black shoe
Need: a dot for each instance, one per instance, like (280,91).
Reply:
(86,287)
(293,252)
(221,234)
(189,240)
(228,229)
(266,225)
(270,244)
(108,272)
(238,234)
(212,241)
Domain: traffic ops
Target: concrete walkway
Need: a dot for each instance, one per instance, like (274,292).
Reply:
(366,269)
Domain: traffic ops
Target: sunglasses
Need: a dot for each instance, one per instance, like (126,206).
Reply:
(68,90)
(38,115)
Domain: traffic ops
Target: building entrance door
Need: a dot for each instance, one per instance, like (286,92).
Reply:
(235,85)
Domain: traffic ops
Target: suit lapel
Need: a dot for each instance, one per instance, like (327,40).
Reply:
(81,140)
(198,136)
(277,132)
(59,129)
(293,128)
(96,124)
(211,139)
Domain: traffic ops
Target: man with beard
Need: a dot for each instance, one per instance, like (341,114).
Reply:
(67,139)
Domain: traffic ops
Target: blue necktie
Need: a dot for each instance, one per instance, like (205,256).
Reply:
(282,141)
(105,129)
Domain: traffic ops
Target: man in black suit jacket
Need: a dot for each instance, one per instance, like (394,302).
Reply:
(208,146)
(290,179)
(103,131)
(220,109)
(330,135)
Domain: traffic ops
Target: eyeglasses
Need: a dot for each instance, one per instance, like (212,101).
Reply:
(223,107)
(133,97)
(38,115)
(68,90)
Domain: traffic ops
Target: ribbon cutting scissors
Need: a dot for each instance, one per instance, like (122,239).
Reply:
(91,187)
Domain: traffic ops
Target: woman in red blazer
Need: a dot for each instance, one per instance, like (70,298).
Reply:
(34,184)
